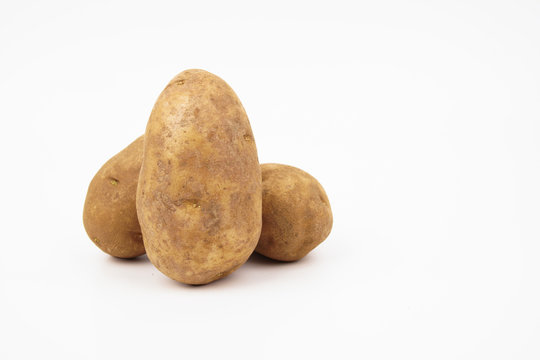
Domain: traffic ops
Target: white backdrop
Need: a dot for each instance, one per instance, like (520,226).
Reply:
(421,120)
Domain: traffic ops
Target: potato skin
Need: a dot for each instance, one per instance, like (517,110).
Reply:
(109,214)
(199,198)
(296,213)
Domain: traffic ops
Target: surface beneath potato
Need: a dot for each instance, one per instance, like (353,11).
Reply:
(296,213)
(109,215)
(199,196)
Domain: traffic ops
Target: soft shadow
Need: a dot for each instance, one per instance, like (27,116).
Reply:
(237,278)
(143,259)
(200,287)
(255,260)
(261,260)
(226,281)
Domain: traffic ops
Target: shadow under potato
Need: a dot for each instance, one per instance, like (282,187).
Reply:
(137,260)
(256,260)
(261,260)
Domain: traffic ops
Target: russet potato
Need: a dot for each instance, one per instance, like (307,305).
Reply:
(296,213)
(191,194)
(109,215)
(199,197)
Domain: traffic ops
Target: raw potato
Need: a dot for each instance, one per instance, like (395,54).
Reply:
(109,214)
(199,198)
(296,213)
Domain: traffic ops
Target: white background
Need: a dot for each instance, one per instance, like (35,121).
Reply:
(421,119)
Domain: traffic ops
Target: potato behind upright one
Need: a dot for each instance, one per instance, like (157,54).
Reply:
(109,215)
(296,213)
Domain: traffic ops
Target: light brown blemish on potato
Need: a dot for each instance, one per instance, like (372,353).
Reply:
(187,202)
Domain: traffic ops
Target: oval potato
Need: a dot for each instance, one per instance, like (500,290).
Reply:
(109,214)
(296,213)
(199,198)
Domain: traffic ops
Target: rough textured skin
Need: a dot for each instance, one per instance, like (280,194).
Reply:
(199,198)
(109,214)
(296,213)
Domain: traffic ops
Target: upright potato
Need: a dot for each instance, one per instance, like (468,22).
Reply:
(199,195)
(109,214)
(296,213)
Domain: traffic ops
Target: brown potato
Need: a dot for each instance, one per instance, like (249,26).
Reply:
(296,213)
(199,198)
(109,214)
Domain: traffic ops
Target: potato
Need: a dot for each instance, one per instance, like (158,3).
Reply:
(296,213)
(109,214)
(199,198)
